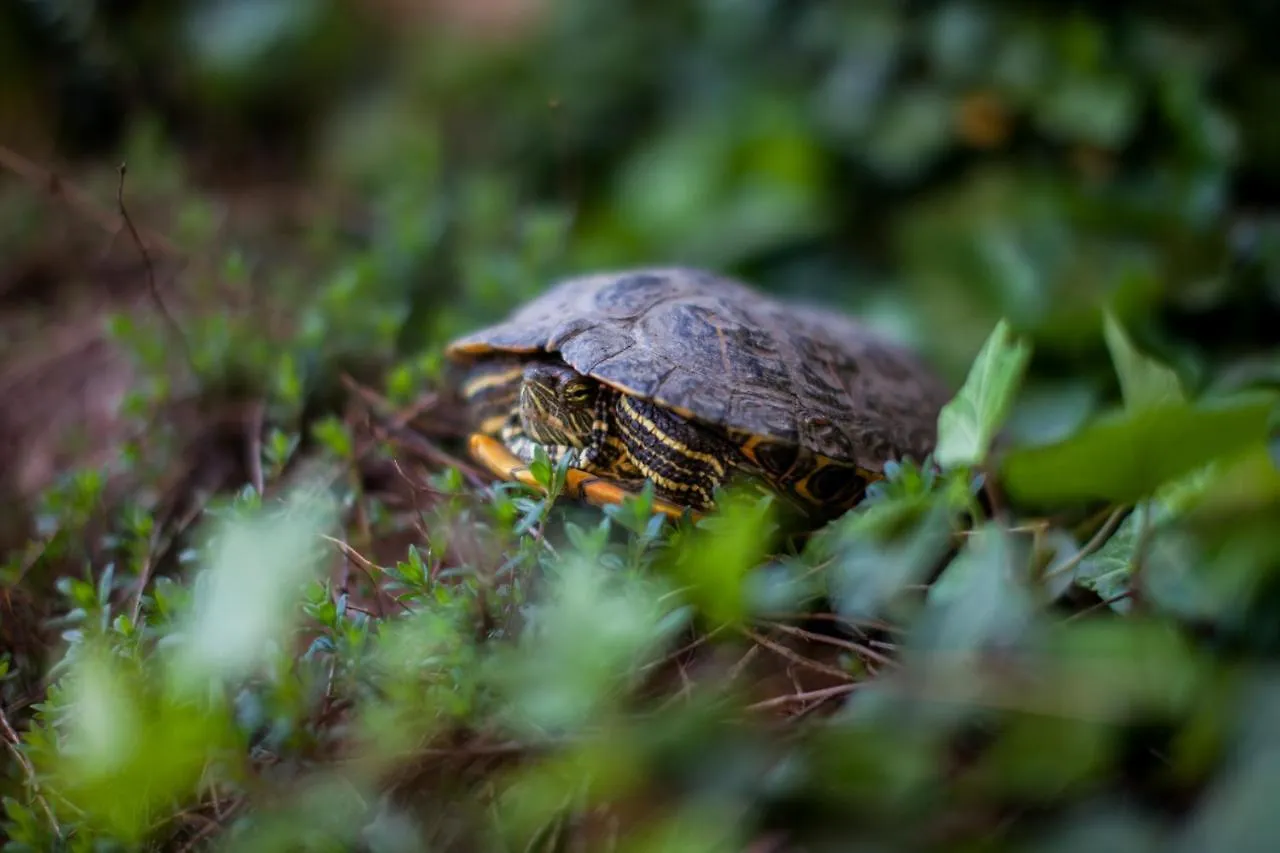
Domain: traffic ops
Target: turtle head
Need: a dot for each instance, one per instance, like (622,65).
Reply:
(557,404)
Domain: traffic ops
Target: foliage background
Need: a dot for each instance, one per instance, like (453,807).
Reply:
(326,191)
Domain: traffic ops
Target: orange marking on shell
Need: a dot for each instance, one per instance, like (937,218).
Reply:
(462,348)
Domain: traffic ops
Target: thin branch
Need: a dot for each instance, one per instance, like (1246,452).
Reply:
(144,576)
(14,743)
(856,624)
(418,444)
(1097,541)
(1145,528)
(795,657)
(1106,602)
(365,565)
(151,273)
(856,648)
(810,696)
(738,668)
(210,827)
(698,641)
(49,182)
(257,415)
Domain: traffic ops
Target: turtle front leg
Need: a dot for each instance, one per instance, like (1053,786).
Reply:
(600,453)
(525,448)
(685,462)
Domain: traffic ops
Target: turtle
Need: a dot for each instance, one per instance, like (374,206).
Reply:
(690,379)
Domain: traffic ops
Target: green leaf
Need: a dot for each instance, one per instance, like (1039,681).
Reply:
(333,434)
(1237,812)
(1096,109)
(1144,382)
(870,566)
(1125,457)
(254,574)
(129,749)
(713,563)
(1108,570)
(1249,482)
(982,598)
(969,422)
(540,467)
(1045,757)
(1216,561)
(1103,826)
(584,642)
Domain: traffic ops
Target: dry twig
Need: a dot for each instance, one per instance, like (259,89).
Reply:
(816,696)
(14,743)
(1099,539)
(795,657)
(178,334)
(50,183)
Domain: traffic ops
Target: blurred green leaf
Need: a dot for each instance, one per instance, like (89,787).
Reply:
(713,563)
(1048,412)
(1100,110)
(1104,827)
(1108,570)
(982,599)
(1144,381)
(1123,669)
(876,555)
(584,646)
(1125,457)
(1246,482)
(1045,758)
(913,129)
(130,750)
(246,597)
(1238,813)
(969,422)
(1216,563)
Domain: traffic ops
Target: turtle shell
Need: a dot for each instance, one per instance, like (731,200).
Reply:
(719,352)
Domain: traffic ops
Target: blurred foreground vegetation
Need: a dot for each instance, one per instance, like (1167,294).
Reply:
(254,597)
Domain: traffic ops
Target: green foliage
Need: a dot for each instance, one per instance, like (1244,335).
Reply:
(338,633)
(971,420)
(876,554)
(983,600)
(712,563)
(1144,382)
(1124,457)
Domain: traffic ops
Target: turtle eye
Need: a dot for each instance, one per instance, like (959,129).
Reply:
(577,391)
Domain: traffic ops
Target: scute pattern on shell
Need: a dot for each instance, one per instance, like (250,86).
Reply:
(710,347)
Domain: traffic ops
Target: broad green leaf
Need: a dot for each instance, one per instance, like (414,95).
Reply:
(982,598)
(1144,382)
(1107,571)
(1096,109)
(1116,669)
(713,564)
(1104,826)
(968,423)
(583,643)
(1125,457)
(1216,562)
(1245,483)
(129,751)
(246,599)
(1238,812)
(869,569)
(1044,756)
